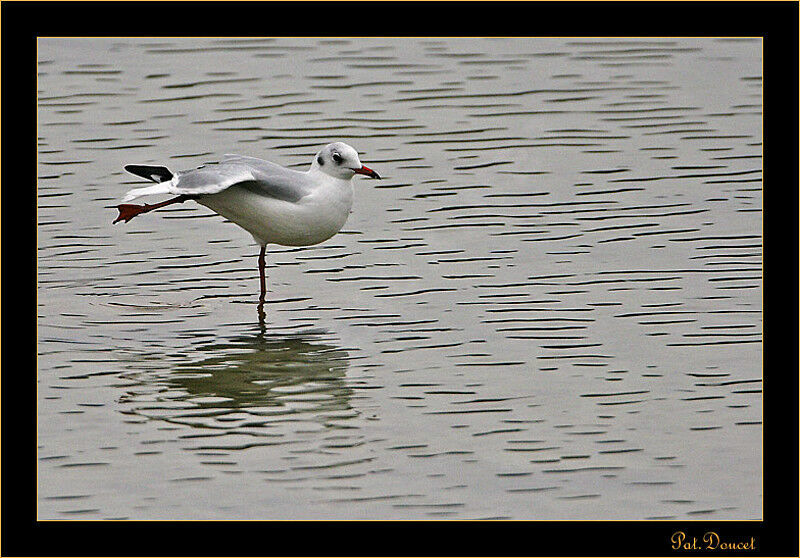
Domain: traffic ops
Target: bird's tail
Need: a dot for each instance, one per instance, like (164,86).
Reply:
(162,188)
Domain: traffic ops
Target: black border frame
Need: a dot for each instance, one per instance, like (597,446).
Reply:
(22,22)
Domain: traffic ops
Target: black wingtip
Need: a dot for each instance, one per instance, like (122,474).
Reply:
(150,172)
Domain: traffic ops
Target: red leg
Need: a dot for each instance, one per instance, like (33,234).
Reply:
(262,264)
(129,211)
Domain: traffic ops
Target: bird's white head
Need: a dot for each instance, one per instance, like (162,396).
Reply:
(340,161)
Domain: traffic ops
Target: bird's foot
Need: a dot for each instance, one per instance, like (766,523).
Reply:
(128,211)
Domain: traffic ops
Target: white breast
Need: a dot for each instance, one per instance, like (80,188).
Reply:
(311,220)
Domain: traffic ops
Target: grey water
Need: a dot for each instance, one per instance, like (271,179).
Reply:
(549,308)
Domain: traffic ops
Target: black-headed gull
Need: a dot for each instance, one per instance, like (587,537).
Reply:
(274,204)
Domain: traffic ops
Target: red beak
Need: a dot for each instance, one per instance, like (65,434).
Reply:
(367,171)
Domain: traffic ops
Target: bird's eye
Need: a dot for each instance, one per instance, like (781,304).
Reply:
(336,158)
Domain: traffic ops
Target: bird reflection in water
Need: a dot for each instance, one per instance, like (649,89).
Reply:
(253,375)
(262,317)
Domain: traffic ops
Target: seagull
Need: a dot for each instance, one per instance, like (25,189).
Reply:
(274,204)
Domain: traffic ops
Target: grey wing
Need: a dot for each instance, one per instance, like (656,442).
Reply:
(254,163)
(257,175)
(288,186)
(270,179)
(210,179)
